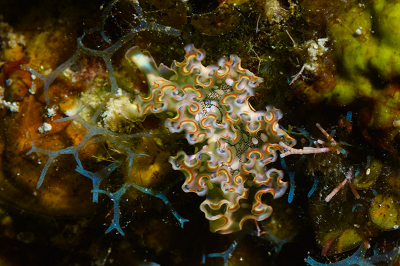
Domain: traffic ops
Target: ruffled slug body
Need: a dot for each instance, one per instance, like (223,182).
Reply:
(210,105)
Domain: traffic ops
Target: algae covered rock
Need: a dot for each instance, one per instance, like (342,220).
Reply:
(384,212)
(361,71)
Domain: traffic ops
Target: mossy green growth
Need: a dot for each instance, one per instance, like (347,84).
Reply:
(366,45)
(364,66)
